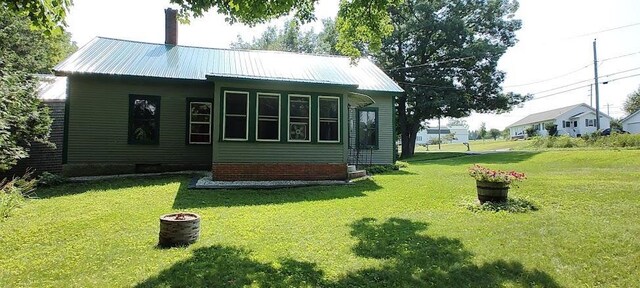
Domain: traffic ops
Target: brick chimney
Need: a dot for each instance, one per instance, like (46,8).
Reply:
(170,27)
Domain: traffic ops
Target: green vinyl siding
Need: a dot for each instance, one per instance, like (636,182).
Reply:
(385,106)
(99,116)
(282,151)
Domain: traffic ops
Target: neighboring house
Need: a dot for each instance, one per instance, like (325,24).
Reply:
(460,134)
(244,115)
(52,91)
(575,120)
(631,123)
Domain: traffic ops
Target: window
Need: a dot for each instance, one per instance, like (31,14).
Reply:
(268,120)
(590,122)
(328,119)
(419,138)
(144,119)
(299,118)
(368,128)
(575,124)
(199,122)
(236,109)
(566,124)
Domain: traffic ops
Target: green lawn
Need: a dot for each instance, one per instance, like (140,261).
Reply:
(479,145)
(409,228)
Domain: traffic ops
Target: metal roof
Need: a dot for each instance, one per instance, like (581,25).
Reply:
(551,115)
(108,56)
(52,88)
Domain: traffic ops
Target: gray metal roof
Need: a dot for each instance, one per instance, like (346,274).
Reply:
(544,116)
(108,56)
(52,88)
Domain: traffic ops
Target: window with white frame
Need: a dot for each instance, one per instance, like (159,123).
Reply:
(199,122)
(590,122)
(566,124)
(268,120)
(236,112)
(299,118)
(328,119)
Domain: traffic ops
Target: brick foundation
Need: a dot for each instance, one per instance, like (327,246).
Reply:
(278,171)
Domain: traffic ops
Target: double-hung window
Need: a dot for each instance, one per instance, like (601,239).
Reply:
(328,119)
(199,122)
(144,119)
(236,116)
(566,124)
(368,128)
(299,118)
(590,122)
(268,120)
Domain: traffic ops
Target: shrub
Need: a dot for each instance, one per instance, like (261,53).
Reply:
(531,132)
(552,129)
(379,169)
(49,179)
(513,205)
(14,192)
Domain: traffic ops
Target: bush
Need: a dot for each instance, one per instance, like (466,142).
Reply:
(14,192)
(48,179)
(588,140)
(379,169)
(552,129)
(531,132)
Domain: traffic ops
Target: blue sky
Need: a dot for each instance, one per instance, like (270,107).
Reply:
(556,40)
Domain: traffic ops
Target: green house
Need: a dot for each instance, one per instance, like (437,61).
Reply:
(245,115)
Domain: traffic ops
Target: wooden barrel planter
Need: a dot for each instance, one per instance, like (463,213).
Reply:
(492,191)
(179,229)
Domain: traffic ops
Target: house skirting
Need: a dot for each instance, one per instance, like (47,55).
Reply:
(278,171)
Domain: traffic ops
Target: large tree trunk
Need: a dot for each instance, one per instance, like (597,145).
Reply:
(409,140)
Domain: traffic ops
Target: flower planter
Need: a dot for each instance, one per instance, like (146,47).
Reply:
(179,229)
(495,192)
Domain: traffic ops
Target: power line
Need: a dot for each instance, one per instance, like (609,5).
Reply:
(571,72)
(549,79)
(587,80)
(430,63)
(605,30)
(580,87)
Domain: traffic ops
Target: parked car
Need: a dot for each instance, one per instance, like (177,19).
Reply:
(608,131)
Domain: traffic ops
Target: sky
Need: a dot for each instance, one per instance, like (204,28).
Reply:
(555,47)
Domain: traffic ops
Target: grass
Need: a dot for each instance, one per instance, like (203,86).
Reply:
(406,228)
(479,145)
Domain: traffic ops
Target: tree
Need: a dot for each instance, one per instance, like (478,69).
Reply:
(632,104)
(44,14)
(506,133)
(552,129)
(290,38)
(494,133)
(457,122)
(445,56)
(616,124)
(24,51)
(360,22)
(482,133)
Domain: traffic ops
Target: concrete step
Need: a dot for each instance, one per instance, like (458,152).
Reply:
(357,174)
(351,168)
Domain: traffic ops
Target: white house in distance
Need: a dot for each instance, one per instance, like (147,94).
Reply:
(460,134)
(631,123)
(575,120)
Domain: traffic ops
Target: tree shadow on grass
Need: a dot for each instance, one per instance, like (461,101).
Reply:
(462,158)
(74,188)
(200,198)
(410,260)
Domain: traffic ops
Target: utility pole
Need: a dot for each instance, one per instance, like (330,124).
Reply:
(608,105)
(439,140)
(595,72)
(591,95)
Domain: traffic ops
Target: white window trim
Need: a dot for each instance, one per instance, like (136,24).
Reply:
(258,115)
(339,130)
(198,122)
(224,117)
(289,118)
